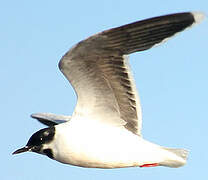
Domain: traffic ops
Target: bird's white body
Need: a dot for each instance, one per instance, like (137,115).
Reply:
(89,144)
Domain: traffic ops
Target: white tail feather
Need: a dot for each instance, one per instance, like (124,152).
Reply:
(178,159)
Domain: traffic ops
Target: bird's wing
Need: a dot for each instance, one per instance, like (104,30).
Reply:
(50,119)
(98,69)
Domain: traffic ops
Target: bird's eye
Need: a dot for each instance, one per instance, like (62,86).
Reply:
(41,138)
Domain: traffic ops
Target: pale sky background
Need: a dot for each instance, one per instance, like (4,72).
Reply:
(171,79)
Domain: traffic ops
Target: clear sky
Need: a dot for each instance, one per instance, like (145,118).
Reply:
(171,79)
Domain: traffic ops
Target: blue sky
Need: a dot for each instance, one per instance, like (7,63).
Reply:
(171,79)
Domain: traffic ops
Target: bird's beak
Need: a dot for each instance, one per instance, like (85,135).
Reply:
(21,150)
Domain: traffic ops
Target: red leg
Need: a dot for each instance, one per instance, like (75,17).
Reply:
(149,165)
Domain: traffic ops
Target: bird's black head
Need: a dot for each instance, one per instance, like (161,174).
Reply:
(38,140)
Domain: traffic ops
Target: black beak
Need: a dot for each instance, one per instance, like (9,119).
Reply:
(21,150)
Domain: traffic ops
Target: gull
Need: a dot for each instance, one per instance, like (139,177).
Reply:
(104,130)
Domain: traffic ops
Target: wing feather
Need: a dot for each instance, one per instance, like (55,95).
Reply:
(99,71)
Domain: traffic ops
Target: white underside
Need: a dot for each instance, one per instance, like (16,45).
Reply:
(89,144)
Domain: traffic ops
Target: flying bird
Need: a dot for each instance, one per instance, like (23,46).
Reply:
(105,129)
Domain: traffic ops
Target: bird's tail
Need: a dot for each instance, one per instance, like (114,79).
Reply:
(177,158)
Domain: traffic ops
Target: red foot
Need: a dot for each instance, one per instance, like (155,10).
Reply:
(149,165)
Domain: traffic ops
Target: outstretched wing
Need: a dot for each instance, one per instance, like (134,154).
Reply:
(98,69)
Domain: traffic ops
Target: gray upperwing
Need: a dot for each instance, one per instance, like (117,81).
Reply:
(50,119)
(98,69)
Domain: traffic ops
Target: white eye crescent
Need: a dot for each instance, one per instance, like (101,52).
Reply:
(46,133)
